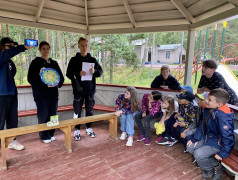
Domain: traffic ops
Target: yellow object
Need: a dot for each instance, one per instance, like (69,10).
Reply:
(159,128)
(224,24)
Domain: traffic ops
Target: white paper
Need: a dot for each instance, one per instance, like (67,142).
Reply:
(86,67)
(236,131)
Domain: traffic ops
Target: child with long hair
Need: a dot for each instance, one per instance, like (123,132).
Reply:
(169,107)
(127,105)
(151,103)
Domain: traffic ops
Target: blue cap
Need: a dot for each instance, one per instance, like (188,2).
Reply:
(188,88)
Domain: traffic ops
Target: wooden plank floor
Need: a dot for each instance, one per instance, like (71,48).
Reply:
(98,158)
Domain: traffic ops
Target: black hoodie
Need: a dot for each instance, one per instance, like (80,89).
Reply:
(73,70)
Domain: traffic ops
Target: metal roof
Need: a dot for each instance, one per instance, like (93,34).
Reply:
(116,16)
(168,47)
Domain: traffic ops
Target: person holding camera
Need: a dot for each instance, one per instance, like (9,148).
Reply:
(83,83)
(8,90)
(45,96)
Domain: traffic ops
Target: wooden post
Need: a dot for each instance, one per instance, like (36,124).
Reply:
(3,154)
(113,127)
(189,57)
(67,137)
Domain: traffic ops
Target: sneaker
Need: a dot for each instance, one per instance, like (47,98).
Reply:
(185,151)
(77,135)
(52,138)
(129,141)
(172,142)
(75,116)
(165,141)
(218,172)
(141,137)
(90,132)
(147,141)
(207,174)
(46,141)
(123,136)
(193,159)
(16,145)
(160,138)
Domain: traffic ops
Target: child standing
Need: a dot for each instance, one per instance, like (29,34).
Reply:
(169,107)
(127,105)
(151,103)
(214,139)
(185,118)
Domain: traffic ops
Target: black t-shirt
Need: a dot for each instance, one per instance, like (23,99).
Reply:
(218,81)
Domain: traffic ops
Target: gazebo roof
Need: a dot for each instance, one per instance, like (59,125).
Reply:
(116,16)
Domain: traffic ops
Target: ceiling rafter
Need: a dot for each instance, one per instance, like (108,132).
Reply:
(86,13)
(129,12)
(178,4)
(234,2)
(39,10)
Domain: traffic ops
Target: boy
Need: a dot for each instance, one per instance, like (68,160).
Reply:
(214,138)
(186,116)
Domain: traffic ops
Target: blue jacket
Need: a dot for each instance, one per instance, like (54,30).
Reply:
(8,70)
(219,130)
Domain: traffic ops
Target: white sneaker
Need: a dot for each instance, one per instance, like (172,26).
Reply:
(46,141)
(16,145)
(129,141)
(75,116)
(123,136)
(90,132)
(77,135)
(52,138)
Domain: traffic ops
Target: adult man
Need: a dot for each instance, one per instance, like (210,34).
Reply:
(211,80)
(165,80)
(83,90)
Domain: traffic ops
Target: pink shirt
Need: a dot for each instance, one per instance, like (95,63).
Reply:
(155,106)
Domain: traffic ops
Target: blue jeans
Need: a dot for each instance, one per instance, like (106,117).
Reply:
(127,123)
(204,155)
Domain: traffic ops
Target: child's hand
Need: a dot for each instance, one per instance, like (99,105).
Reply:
(82,73)
(91,70)
(182,124)
(118,113)
(175,125)
(176,115)
(218,157)
(143,114)
(189,143)
(183,135)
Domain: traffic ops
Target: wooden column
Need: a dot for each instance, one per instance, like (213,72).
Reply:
(189,57)
(3,154)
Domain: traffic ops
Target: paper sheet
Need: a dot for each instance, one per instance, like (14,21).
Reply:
(236,131)
(86,67)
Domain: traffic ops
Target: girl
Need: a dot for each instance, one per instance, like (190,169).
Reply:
(151,103)
(45,96)
(127,105)
(169,107)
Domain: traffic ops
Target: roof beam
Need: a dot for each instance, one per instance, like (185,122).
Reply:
(86,12)
(39,9)
(234,2)
(179,5)
(128,10)
(215,18)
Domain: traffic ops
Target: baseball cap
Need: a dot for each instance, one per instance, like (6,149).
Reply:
(203,96)
(186,95)
(6,40)
(187,88)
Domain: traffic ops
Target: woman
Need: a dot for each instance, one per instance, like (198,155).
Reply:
(45,96)
(8,90)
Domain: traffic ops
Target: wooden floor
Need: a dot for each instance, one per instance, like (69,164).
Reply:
(98,158)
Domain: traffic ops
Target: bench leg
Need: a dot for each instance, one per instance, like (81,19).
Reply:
(3,154)
(113,127)
(236,177)
(9,140)
(67,137)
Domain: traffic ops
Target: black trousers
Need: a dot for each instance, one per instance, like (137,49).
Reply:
(45,109)
(89,104)
(8,111)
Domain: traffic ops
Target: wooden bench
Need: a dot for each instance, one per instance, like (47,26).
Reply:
(231,163)
(98,107)
(66,126)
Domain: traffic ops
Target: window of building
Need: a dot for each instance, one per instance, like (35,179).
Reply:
(167,54)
